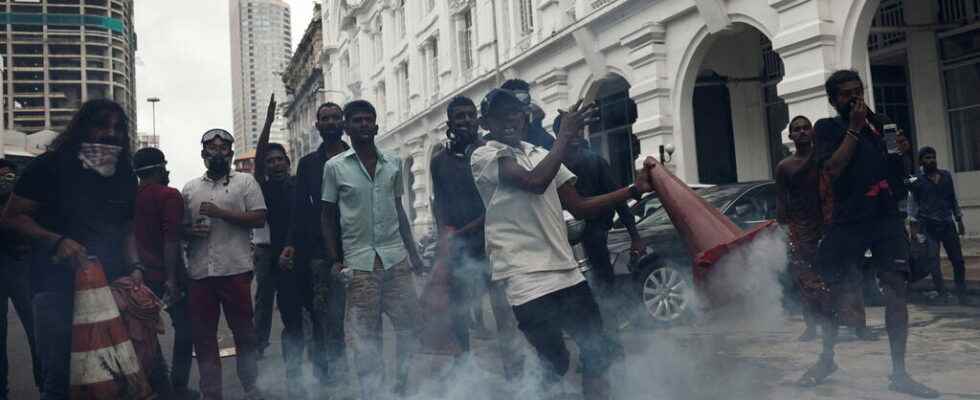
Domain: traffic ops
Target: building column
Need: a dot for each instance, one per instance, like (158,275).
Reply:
(415,148)
(808,45)
(926,82)
(648,59)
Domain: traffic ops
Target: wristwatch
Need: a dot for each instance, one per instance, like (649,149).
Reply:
(635,193)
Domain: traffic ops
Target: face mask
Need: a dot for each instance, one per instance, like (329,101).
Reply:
(217,163)
(100,158)
(7,183)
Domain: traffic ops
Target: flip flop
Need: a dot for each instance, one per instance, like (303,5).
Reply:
(818,373)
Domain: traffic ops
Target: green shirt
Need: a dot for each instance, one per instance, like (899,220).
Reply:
(368,218)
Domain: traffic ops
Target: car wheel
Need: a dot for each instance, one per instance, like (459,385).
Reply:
(665,292)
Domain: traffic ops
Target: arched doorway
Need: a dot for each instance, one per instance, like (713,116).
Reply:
(612,136)
(738,116)
(713,124)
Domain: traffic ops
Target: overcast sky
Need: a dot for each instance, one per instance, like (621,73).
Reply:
(184,58)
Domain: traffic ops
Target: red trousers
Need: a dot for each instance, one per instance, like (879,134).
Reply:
(207,297)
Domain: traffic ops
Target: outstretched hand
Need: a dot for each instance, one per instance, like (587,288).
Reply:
(573,120)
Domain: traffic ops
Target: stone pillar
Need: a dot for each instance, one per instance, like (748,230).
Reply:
(415,148)
(807,44)
(648,59)
(931,125)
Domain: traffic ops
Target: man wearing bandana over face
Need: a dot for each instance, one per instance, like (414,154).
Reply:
(220,210)
(75,201)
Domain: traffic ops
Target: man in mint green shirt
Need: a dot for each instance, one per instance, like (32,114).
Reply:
(364,185)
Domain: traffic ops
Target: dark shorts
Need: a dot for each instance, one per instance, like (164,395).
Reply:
(842,249)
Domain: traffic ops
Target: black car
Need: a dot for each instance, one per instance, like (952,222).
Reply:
(662,277)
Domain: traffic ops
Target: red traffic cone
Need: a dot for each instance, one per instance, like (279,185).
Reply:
(436,336)
(709,234)
(103,362)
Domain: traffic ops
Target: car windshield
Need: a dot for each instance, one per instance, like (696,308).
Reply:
(717,196)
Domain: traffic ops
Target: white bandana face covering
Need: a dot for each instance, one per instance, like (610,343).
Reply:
(100,158)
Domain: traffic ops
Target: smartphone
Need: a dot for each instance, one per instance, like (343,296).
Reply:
(890,133)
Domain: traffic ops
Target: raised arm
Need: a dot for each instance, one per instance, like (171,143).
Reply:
(537,179)
(263,143)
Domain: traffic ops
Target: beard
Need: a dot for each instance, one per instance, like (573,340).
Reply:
(331,135)
(930,167)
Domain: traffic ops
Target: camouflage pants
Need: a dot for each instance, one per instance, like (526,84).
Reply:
(370,294)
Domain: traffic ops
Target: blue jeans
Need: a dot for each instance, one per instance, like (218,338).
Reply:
(52,329)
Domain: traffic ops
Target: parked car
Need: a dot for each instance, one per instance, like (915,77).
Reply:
(662,279)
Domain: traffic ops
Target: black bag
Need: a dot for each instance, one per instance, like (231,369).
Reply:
(925,257)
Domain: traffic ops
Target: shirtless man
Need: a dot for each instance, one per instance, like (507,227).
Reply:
(798,207)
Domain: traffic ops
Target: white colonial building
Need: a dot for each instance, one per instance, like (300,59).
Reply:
(718,79)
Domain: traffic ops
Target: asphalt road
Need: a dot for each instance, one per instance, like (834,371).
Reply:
(707,360)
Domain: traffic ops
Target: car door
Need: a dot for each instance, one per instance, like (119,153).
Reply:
(754,207)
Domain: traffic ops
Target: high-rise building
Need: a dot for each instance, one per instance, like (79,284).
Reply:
(147,140)
(260,52)
(61,53)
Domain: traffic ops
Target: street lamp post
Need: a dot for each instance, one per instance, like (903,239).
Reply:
(153,101)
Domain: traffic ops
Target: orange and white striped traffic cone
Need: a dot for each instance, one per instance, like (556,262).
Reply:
(103,362)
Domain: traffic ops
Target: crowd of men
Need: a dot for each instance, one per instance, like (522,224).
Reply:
(334,241)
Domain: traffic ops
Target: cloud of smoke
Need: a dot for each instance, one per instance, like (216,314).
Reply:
(694,362)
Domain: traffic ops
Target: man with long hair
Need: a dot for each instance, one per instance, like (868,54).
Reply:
(74,201)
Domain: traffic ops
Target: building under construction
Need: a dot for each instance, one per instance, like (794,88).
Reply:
(60,53)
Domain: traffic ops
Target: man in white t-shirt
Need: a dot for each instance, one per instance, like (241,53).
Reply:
(524,189)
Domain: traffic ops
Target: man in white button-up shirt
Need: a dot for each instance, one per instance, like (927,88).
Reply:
(524,189)
(221,209)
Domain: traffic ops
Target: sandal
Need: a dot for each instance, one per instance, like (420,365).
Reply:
(905,384)
(818,373)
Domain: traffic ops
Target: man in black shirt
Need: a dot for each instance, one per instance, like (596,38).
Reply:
(933,209)
(275,275)
(75,201)
(867,180)
(459,214)
(15,284)
(317,288)
(594,178)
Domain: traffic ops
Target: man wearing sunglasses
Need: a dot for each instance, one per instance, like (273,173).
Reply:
(220,210)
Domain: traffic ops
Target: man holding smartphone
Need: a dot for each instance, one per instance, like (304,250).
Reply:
(867,180)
